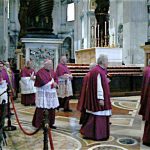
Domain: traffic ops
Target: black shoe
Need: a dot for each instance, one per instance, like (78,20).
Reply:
(11,113)
(53,127)
(58,108)
(33,104)
(67,110)
(86,138)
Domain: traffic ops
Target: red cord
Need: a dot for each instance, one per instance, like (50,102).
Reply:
(25,132)
(50,139)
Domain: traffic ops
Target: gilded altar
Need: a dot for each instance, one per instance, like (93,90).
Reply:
(147,53)
(85,56)
(90,55)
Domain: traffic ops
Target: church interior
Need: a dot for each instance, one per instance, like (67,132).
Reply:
(82,30)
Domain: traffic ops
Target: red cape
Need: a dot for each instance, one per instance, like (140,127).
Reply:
(88,99)
(62,69)
(82,97)
(43,76)
(145,95)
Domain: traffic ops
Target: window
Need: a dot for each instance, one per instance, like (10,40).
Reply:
(70,12)
(92,5)
(8,7)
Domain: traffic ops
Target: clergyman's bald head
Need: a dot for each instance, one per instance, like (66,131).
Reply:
(48,64)
(103,60)
(29,63)
(63,59)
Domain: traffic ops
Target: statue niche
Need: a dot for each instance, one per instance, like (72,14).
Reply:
(120,36)
(36,16)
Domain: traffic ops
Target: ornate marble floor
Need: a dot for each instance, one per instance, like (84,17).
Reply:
(126,129)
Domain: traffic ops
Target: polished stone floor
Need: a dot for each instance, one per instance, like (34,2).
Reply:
(126,129)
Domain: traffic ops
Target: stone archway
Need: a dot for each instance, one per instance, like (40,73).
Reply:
(66,48)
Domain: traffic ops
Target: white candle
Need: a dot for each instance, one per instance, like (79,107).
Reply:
(113,23)
(98,30)
(95,29)
(105,28)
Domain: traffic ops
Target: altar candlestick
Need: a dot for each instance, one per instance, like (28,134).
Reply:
(108,27)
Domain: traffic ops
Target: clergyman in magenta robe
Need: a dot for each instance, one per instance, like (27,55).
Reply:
(3,74)
(28,71)
(82,99)
(10,78)
(46,95)
(83,93)
(145,104)
(3,86)
(65,85)
(95,100)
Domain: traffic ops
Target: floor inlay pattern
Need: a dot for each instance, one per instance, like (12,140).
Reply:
(122,121)
(125,123)
(126,105)
(126,141)
(107,147)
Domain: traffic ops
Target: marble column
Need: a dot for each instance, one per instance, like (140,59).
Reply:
(134,30)
(14,27)
(3,30)
(78,30)
(132,16)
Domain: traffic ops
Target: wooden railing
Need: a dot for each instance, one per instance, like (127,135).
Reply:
(79,70)
(125,80)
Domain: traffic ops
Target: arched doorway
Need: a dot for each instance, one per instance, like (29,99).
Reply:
(66,48)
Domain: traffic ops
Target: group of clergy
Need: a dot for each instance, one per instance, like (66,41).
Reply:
(6,81)
(50,90)
(47,89)
(53,90)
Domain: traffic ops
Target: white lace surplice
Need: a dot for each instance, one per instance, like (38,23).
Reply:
(27,85)
(65,87)
(46,97)
(3,88)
